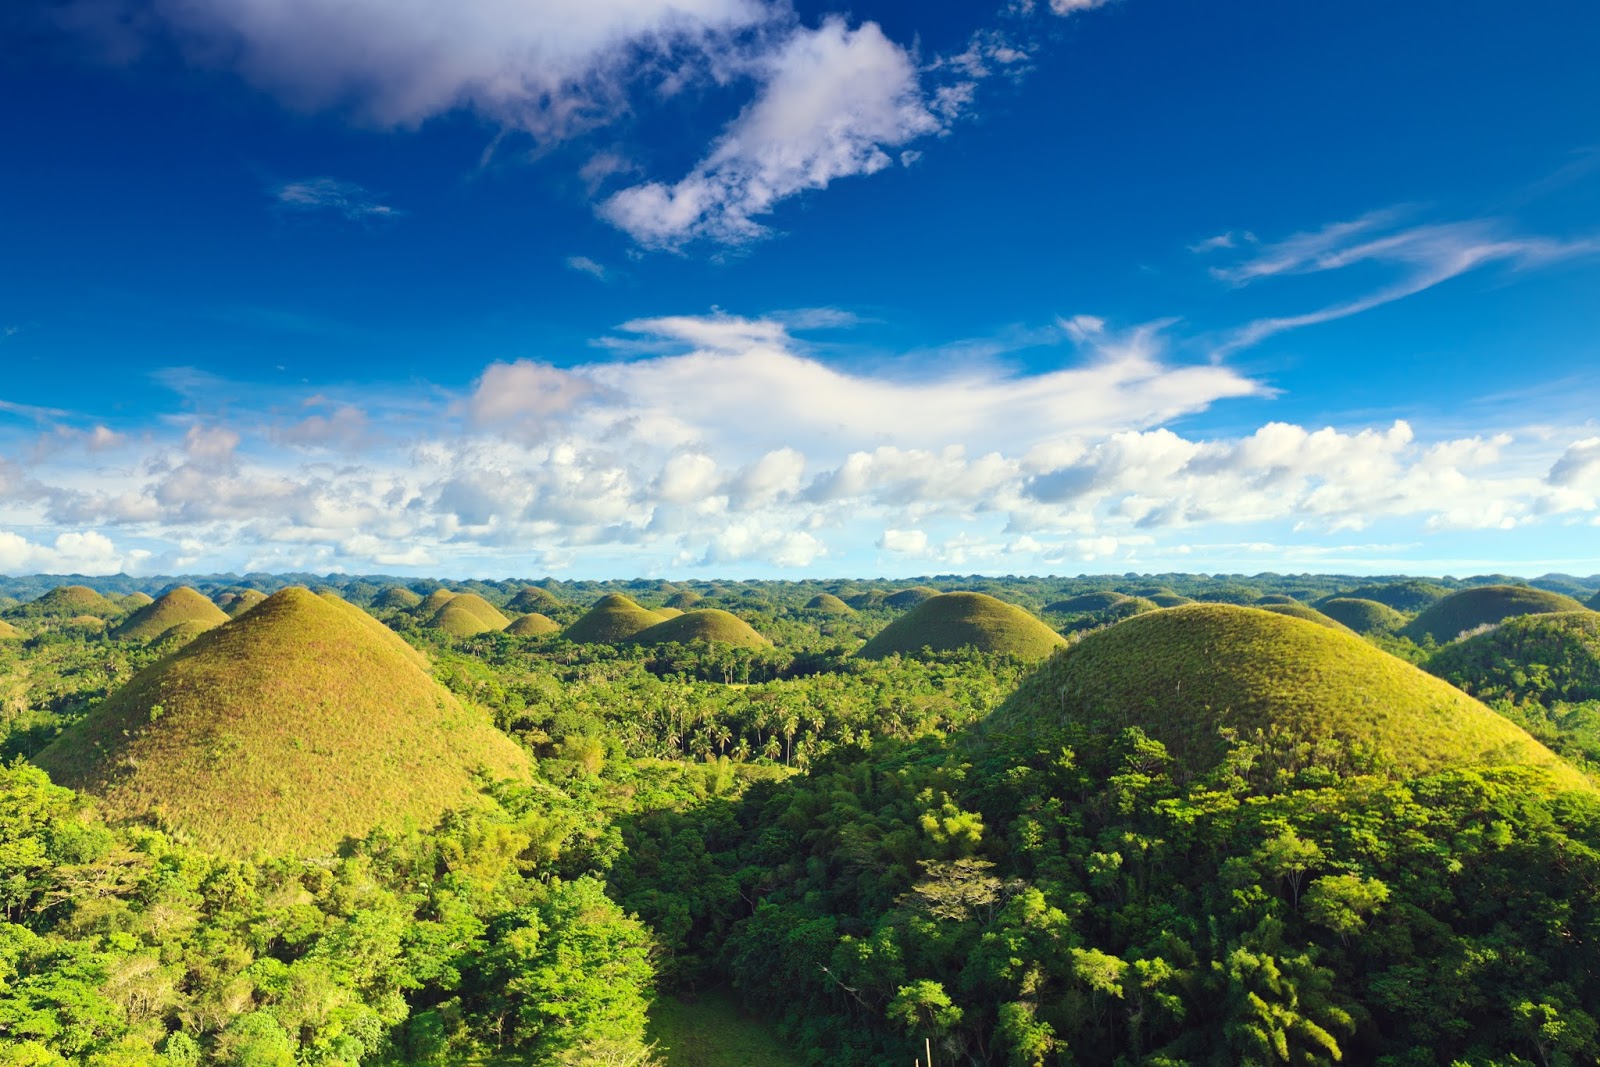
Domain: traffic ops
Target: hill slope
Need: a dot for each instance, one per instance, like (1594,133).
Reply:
(291,728)
(1296,610)
(179,606)
(1546,657)
(1362,616)
(66,602)
(532,624)
(467,614)
(614,618)
(531,599)
(829,604)
(951,621)
(1086,602)
(1460,612)
(9,632)
(906,599)
(703,624)
(1186,673)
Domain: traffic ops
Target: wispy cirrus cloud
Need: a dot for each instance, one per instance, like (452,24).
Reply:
(332,196)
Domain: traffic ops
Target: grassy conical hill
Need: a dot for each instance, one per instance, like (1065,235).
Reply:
(1363,616)
(870,600)
(906,599)
(614,618)
(179,635)
(1409,595)
(1548,657)
(82,624)
(1469,609)
(1086,602)
(667,613)
(396,598)
(1296,610)
(1168,600)
(1274,598)
(66,602)
(705,624)
(9,632)
(377,630)
(236,604)
(135,601)
(684,599)
(1186,674)
(951,621)
(530,599)
(291,728)
(532,624)
(180,605)
(828,604)
(466,614)
(430,604)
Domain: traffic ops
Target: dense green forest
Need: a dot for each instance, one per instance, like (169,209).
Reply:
(1167,819)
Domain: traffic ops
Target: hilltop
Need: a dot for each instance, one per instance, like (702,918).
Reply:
(952,621)
(178,607)
(430,604)
(906,599)
(67,602)
(1469,609)
(1545,657)
(829,604)
(396,598)
(702,624)
(1362,616)
(1185,674)
(1408,595)
(532,624)
(614,618)
(467,614)
(1296,610)
(291,728)
(531,599)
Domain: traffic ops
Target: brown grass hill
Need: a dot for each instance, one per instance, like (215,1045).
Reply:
(1410,595)
(396,598)
(871,600)
(467,614)
(828,604)
(1362,616)
(241,602)
(531,598)
(1545,658)
(9,632)
(906,599)
(176,637)
(952,621)
(429,606)
(667,613)
(1085,603)
(1310,693)
(300,724)
(175,606)
(613,618)
(66,602)
(532,624)
(704,624)
(135,601)
(1296,610)
(684,599)
(1465,611)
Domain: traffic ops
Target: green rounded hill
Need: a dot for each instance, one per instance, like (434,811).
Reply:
(906,599)
(531,599)
(1296,610)
(396,598)
(1274,598)
(1485,605)
(467,614)
(293,727)
(532,624)
(179,635)
(614,618)
(1547,657)
(703,624)
(1085,603)
(430,604)
(174,607)
(953,621)
(1409,595)
(66,602)
(1363,616)
(1189,673)
(241,601)
(828,604)
(1168,600)
(684,599)
(135,601)
(871,600)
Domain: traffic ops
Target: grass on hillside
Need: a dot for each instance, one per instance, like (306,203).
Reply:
(906,599)
(430,604)
(303,722)
(951,621)
(714,1032)
(614,618)
(1547,658)
(174,608)
(1296,610)
(531,600)
(684,599)
(702,624)
(829,604)
(1408,595)
(396,598)
(532,624)
(1464,611)
(1168,600)
(9,632)
(458,621)
(1186,674)
(1363,616)
(135,601)
(66,602)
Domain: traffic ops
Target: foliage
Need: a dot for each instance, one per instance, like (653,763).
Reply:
(1469,609)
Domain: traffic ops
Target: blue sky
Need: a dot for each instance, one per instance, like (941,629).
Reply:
(742,288)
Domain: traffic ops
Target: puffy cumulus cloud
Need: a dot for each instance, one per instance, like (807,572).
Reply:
(726,443)
(82,552)
(834,100)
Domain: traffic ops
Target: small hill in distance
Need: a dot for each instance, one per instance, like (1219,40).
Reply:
(396,598)
(703,624)
(67,602)
(1362,616)
(532,624)
(684,599)
(906,599)
(1296,610)
(1465,611)
(300,724)
(1546,657)
(531,599)
(173,608)
(1168,600)
(467,614)
(1280,599)
(952,621)
(613,618)
(430,604)
(177,636)
(1085,603)
(236,604)
(1185,674)
(871,600)
(1409,595)
(828,604)
(135,601)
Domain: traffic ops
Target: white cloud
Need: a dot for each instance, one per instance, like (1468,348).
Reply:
(85,552)
(833,101)
(585,265)
(907,542)
(346,199)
